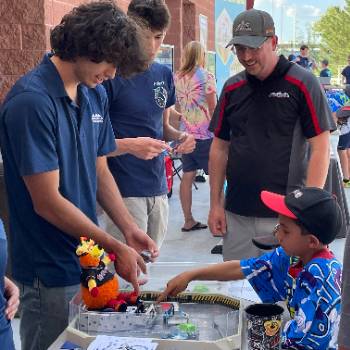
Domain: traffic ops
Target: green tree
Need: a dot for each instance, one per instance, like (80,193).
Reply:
(334,31)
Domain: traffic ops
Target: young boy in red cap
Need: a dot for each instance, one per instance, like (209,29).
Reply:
(302,271)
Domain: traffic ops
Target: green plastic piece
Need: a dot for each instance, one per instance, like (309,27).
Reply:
(187,327)
(200,288)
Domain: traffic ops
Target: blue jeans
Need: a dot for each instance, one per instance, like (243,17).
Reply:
(44,313)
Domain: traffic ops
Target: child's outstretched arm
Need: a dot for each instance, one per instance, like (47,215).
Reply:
(227,271)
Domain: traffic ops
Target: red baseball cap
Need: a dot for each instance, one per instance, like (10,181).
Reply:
(276,202)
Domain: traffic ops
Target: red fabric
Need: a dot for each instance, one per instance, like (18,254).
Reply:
(228,88)
(276,202)
(295,269)
(309,102)
(169,172)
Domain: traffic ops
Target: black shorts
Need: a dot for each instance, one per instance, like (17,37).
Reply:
(344,142)
(199,158)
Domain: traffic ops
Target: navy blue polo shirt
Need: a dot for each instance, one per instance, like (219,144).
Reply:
(42,130)
(136,109)
(6,339)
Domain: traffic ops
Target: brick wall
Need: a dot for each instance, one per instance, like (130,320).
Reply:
(22,39)
(185,24)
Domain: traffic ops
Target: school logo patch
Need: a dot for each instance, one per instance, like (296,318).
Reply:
(160,96)
(96,118)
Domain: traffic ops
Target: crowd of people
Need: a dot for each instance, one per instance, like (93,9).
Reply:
(90,124)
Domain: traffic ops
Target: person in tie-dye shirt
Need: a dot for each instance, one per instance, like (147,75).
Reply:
(196,97)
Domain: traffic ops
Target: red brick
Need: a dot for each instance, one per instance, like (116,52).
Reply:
(33,37)
(59,10)
(10,36)
(6,82)
(20,11)
(48,12)
(47,37)
(18,62)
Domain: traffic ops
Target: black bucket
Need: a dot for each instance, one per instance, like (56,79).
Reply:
(264,326)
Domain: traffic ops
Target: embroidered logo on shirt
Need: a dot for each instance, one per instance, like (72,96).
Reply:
(96,118)
(160,94)
(279,94)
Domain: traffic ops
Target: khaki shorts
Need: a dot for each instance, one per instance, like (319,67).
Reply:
(237,243)
(149,213)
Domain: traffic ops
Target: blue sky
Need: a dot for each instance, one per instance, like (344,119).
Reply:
(293,17)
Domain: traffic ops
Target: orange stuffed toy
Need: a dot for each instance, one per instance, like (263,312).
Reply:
(99,286)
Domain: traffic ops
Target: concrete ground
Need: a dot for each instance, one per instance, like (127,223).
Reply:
(194,246)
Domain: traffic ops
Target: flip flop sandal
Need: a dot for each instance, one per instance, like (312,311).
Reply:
(195,227)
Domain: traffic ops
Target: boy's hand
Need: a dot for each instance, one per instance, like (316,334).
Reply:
(187,144)
(147,148)
(175,286)
(128,264)
(140,241)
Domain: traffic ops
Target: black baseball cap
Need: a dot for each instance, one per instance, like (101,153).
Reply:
(316,209)
(343,112)
(251,28)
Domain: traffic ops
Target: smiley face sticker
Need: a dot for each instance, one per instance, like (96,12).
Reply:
(272,327)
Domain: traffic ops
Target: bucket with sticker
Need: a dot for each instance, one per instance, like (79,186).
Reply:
(264,326)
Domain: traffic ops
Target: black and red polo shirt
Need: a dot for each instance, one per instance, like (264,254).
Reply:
(268,123)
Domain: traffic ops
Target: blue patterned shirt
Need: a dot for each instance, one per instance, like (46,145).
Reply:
(312,294)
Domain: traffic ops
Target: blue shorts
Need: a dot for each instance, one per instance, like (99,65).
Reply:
(199,158)
(344,142)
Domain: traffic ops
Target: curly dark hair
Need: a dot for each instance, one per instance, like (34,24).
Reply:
(100,31)
(154,13)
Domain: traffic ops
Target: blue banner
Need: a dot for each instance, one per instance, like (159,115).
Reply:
(226,62)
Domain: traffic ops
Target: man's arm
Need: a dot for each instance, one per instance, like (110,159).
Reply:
(57,210)
(217,170)
(187,141)
(226,271)
(111,201)
(319,160)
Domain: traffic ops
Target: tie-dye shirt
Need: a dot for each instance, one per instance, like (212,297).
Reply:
(311,291)
(191,93)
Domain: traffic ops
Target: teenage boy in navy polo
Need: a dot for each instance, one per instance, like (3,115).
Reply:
(302,271)
(139,112)
(55,135)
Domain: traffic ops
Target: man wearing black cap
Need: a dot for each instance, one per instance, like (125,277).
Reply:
(271,130)
(302,272)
